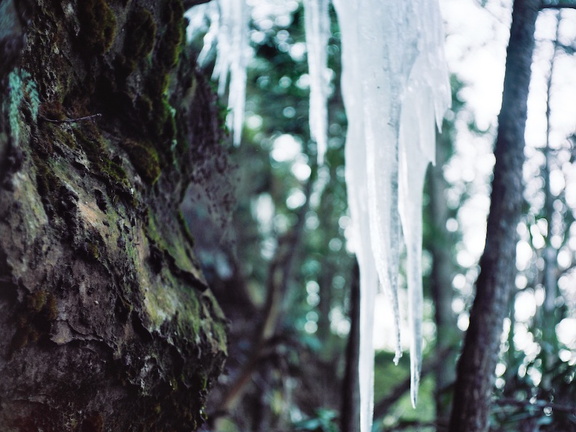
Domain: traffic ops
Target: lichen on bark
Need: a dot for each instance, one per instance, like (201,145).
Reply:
(107,323)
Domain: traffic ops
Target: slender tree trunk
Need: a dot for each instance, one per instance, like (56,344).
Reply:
(447,332)
(106,322)
(547,312)
(477,363)
(350,413)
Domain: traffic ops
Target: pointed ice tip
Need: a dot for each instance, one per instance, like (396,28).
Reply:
(414,387)
(397,357)
(414,398)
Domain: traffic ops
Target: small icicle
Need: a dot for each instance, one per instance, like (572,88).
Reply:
(237,91)
(231,61)
(317,24)
(204,18)
(229,21)
(413,170)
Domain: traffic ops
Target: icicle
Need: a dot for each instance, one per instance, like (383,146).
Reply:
(356,182)
(229,28)
(317,24)
(204,18)
(425,99)
(231,60)
(394,82)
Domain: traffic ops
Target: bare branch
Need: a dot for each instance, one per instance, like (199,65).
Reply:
(540,404)
(564,4)
(74,120)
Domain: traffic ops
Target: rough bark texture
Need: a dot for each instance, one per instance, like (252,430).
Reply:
(498,263)
(106,322)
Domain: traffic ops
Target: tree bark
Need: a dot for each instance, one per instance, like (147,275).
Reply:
(477,363)
(106,321)
(350,412)
(447,332)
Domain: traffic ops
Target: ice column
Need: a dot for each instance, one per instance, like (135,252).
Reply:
(317,26)
(394,84)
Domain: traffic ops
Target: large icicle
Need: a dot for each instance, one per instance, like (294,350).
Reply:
(394,81)
(425,99)
(356,181)
(317,26)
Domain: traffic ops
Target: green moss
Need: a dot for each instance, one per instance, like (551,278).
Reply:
(145,159)
(185,227)
(165,121)
(140,34)
(96,151)
(93,251)
(48,184)
(171,41)
(97,26)
(52,110)
(158,84)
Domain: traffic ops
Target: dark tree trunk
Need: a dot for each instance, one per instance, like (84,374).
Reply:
(498,263)
(447,332)
(106,322)
(350,412)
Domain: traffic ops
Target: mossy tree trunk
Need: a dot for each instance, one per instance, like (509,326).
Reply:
(106,322)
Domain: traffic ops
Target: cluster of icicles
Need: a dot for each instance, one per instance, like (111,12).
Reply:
(395,88)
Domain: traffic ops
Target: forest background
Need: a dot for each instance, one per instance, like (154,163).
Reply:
(284,270)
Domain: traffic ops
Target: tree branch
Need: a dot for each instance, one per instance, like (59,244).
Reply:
(538,404)
(565,4)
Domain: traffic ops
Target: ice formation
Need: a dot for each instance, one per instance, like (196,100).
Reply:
(228,32)
(394,84)
(317,28)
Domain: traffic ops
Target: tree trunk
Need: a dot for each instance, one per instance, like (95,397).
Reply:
(107,323)
(447,332)
(498,263)
(350,412)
